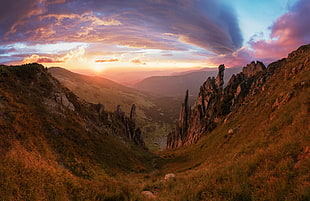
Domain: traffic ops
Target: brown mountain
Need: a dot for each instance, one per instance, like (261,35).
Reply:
(52,142)
(156,115)
(216,103)
(244,140)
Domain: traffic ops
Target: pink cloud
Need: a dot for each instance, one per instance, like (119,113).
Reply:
(290,31)
(238,58)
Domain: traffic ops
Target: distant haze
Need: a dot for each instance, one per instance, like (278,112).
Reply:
(176,85)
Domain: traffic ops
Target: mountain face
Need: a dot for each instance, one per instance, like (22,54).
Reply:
(155,115)
(51,140)
(215,104)
(35,84)
(176,85)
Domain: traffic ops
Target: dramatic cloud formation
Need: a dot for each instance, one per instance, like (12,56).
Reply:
(287,33)
(132,23)
(146,34)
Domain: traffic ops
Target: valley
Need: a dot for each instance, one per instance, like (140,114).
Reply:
(156,115)
(62,137)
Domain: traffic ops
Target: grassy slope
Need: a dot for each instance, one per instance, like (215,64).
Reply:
(53,155)
(266,159)
(155,115)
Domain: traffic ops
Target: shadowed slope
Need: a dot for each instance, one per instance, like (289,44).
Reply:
(54,144)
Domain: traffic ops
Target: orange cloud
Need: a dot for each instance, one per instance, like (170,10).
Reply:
(38,59)
(106,60)
(138,61)
(74,55)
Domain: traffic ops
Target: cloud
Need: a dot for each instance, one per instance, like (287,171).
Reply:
(38,59)
(106,60)
(240,57)
(167,55)
(138,61)
(208,24)
(75,54)
(288,32)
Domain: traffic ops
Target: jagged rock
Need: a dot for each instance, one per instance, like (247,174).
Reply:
(100,108)
(119,111)
(133,113)
(253,68)
(283,99)
(62,99)
(132,132)
(214,103)
(220,77)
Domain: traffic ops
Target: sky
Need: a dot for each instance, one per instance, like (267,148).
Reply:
(114,37)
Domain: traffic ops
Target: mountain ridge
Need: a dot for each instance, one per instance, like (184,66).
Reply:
(155,114)
(253,145)
(175,85)
(215,103)
(52,142)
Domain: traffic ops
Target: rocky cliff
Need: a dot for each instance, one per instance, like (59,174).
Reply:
(132,131)
(57,100)
(214,102)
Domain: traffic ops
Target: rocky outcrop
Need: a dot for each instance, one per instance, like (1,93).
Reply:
(133,113)
(253,68)
(176,138)
(131,130)
(214,103)
(220,77)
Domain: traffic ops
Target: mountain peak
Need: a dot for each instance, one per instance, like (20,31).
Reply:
(215,104)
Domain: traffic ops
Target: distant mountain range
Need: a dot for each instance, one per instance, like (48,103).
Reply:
(177,84)
(156,115)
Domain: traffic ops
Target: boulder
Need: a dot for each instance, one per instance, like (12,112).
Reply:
(169,176)
(148,195)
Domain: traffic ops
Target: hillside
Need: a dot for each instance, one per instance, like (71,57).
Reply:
(156,115)
(55,146)
(176,85)
(244,140)
(256,149)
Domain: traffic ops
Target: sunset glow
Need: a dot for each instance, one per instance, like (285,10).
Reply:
(150,35)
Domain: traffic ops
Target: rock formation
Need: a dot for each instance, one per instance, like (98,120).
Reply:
(220,77)
(253,68)
(176,141)
(214,103)
(131,130)
(133,113)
